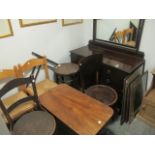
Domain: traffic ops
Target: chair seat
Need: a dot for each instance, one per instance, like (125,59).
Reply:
(67,69)
(35,123)
(21,109)
(43,86)
(103,93)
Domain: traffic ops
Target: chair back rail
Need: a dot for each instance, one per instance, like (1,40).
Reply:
(48,60)
(128,33)
(8,73)
(11,85)
(33,64)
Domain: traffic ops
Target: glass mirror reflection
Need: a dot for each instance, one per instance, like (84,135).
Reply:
(119,31)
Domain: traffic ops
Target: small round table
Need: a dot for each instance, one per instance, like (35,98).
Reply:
(35,123)
(67,73)
(103,93)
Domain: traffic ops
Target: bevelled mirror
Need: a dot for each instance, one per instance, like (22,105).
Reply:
(119,32)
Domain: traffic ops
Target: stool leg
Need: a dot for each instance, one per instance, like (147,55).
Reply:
(56,78)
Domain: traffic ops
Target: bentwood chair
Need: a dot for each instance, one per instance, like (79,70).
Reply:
(5,76)
(37,122)
(34,66)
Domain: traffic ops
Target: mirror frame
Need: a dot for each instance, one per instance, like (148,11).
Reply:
(108,43)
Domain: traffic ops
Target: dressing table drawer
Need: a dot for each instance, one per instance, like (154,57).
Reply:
(113,77)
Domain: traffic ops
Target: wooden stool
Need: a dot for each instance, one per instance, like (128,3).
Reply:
(35,123)
(67,73)
(103,93)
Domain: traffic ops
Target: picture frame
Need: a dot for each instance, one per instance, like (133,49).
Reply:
(137,89)
(67,22)
(126,92)
(5,28)
(32,22)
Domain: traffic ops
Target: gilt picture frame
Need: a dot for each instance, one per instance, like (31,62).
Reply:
(5,28)
(32,22)
(67,22)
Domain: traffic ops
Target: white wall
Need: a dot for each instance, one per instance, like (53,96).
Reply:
(51,40)
(148,45)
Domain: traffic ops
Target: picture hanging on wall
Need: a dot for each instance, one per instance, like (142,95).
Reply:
(31,22)
(66,22)
(5,28)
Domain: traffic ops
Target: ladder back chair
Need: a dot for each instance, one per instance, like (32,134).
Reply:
(127,39)
(36,122)
(119,37)
(5,76)
(33,66)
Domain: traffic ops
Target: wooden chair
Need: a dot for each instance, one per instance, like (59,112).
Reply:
(119,37)
(36,122)
(124,37)
(127,38)
(8,74)
(33,66)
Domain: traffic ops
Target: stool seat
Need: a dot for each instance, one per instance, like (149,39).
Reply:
(35,123)
(67,73)
(67,69)
(103,93)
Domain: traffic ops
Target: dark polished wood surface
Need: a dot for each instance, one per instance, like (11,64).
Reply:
(78,111)
(122,61)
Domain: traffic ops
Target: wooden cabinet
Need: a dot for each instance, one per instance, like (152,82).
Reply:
(116,65)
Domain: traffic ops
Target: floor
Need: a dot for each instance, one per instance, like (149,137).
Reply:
(137,127)
(3,128)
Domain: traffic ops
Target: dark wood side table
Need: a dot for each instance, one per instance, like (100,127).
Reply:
(117,66)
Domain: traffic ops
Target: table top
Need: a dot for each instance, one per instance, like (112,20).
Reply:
(81,113)
(67,69)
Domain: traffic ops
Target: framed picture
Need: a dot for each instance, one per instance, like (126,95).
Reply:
(31,22)
(66,22)
(5,28)
(137,90)
(126,94)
